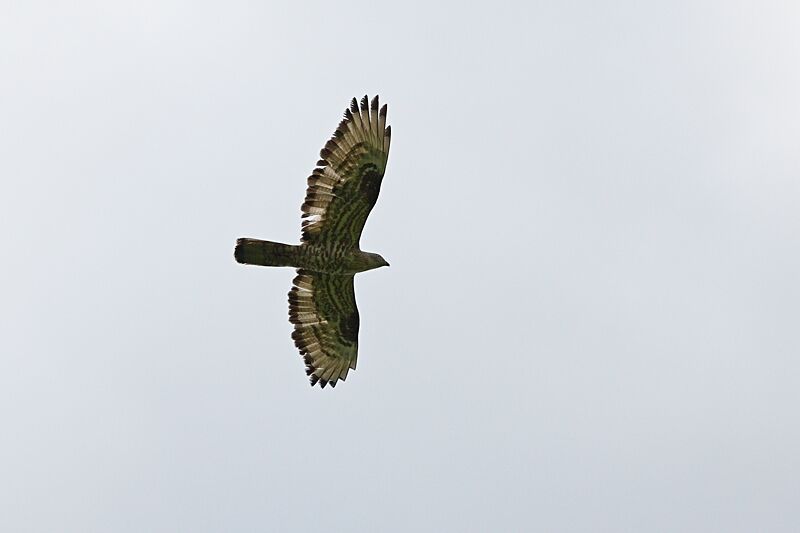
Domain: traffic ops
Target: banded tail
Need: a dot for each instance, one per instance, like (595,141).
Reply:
(265,253)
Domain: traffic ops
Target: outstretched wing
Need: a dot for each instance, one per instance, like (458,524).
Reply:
(344,187)
(323,309)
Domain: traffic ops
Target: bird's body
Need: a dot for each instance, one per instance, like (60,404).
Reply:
(341,192)
(324,258)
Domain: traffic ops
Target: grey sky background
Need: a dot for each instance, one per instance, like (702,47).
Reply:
(591,318)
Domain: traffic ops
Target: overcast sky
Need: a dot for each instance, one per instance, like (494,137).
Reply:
(591,321)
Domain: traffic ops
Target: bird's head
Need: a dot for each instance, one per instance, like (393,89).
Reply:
(376,261)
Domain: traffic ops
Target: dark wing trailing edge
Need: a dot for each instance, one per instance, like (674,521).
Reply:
(323,309)
(344,187)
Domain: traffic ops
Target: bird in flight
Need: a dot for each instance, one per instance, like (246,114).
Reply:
(341,192)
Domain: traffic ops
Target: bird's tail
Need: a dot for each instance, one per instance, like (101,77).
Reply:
(265,253)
